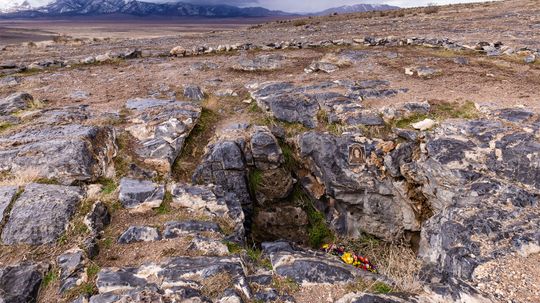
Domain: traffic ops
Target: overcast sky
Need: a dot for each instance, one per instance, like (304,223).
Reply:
(286,5)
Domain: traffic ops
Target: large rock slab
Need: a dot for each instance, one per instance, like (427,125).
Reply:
(348,170)
(140,195)
(305,266)
(161,128)
(482,179)
(41,214)
(340,101)
(68,153)
(20,283)
(180,276)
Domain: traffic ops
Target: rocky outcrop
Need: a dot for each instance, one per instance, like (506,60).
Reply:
(350,169)
(41,214)
(66,153)
(161,128)
(193,92)
(178,279)
(330,102)
(210,202)
(483,183)
(305,266)
(20,283)
(240,153)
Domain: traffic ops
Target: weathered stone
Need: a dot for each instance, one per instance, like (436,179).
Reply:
(422,71)
(20,283)
(15,102)
(311,267)
(208,247)
(193,92)
(7,193)
(161,127)
(348,169)
(72,271)
(321,66)
(180,275)
(203,200)
(424,124)
(140,195)
(260,63)
(98,218)
(182,228)
(41,214)
(66,153)
(139,234)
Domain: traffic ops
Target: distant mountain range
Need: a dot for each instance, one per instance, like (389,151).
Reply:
(62,8)
(357,8)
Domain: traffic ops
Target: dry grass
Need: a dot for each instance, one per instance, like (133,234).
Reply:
(20,178)
(213,286)
(395,261)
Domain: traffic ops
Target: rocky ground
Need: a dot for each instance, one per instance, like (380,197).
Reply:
(212,168)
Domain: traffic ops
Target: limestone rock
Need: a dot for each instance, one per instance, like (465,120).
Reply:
(66,153)
(139,234)
(161,127)
(424,124)
(72,271)
(193,92)
(260,63)
(7,193)
(98,218)
(311,267)
(140,195)
(15,102)
(20,283)
(41,214)
(181,228)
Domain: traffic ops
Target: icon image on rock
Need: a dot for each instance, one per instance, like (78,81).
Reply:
(356,154)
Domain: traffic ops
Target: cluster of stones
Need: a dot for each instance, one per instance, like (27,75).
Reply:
(488,48)
(454,187)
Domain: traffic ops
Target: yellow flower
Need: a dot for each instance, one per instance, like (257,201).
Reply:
(347,258)
(325,246)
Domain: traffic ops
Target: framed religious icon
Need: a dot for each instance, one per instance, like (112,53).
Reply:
(356,154)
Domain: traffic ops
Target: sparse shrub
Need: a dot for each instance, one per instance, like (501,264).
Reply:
(285,286)
(431,9)
(300,22)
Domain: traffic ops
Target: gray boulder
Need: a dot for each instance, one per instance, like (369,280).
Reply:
(41,214)
(305,266)
(139,234)
(140,195)
(161,128)
(20,283)
(67,153)
(71,264)
(179,276)
(15,102)
(193,92)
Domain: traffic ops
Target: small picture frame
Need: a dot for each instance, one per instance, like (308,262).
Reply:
(356,154)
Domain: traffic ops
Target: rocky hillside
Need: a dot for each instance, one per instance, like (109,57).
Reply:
(258,166)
